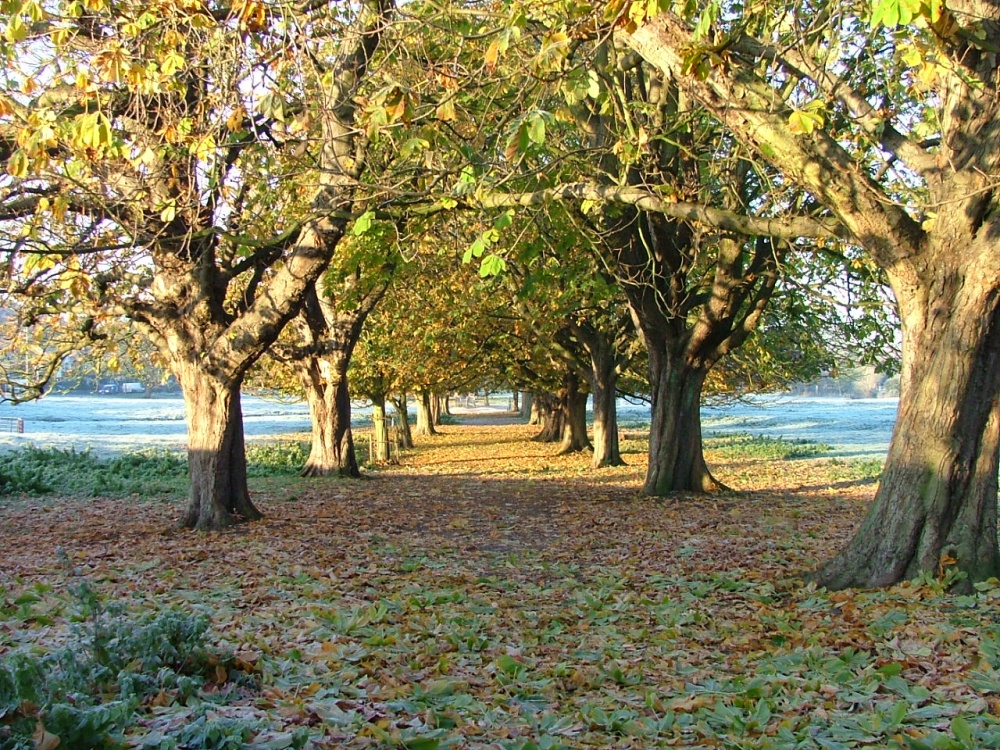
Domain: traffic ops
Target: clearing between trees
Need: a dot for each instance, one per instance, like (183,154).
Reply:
(487,594)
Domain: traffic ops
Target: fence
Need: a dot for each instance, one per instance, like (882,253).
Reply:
(11,424)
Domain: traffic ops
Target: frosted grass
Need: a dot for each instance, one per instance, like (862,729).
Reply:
(113,424)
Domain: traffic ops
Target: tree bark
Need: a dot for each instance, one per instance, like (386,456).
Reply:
(217,470)
(332,447)
(936,504)
(527,407)
(607,451)
(400,404)
(425,418)
(436,409)
(550,417)
(532,409)
(676,456)
(515,401)
(574,407)
(381,443)
(603,378)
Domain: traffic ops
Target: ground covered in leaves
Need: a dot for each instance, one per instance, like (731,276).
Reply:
(486,594)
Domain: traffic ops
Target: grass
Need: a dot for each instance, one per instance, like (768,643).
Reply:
(744,446)
(147,474)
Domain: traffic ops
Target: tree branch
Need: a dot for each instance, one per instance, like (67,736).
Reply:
(647,200)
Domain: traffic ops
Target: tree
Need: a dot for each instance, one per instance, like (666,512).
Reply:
(140,154)
(913,180)
(329,327)
(696,294)
(578,316)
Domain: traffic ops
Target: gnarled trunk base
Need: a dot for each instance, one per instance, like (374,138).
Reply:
(676,455)
(574,408)
(217,467)
(936,506)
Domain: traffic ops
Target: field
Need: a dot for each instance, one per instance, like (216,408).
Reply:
(484,594)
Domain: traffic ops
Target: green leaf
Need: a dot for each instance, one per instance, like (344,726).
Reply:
(476,249)
(363,223)
(422,743)
(962,731)
(413,146)
(504,220)
(492,265)
(536,130)
(705,20)
(509,665)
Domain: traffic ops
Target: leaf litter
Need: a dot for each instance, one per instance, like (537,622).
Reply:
(489,594)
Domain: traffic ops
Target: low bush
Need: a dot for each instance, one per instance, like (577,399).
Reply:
(87,692)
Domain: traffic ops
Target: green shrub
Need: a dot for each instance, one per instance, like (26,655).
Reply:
(37,471)
(746,446)
(276,459)
(148,473)
(87,691)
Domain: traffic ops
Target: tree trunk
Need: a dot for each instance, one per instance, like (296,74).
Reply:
(550,417)
(515,401)
(381,444)
(529,409)
(604,377)
(574,407)
(217,468)
(399,403)
(446,405)
(676,460)
(436,409)
(937,502)
(425,418)
(328,396)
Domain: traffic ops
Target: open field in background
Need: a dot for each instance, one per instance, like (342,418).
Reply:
(109,425)
(487,594)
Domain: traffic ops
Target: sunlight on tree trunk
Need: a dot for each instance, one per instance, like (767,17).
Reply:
(216,452)
(573,402)
(425,416)
(399,403)
(332,446)
(936,504)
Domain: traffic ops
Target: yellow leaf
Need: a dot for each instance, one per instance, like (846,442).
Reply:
(171,63)
(168,212)
(16,31)
(492,54)
(446,110)
(17,164)
(59,36)
(204,148)
(43,738)
(803,121)
(235,120)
